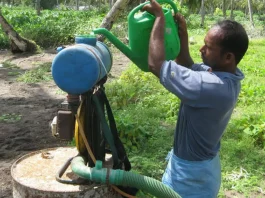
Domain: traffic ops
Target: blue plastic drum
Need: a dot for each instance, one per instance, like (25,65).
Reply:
(78,68)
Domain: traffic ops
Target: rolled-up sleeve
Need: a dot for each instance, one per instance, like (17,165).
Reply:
(200,67)
(181,81)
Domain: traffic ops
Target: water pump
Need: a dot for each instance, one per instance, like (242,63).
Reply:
(81,71)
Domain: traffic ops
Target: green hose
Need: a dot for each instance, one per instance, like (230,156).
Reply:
(121,178)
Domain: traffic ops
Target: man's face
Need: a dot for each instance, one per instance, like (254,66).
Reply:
(211,51)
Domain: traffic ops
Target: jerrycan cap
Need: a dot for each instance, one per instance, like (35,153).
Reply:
(89,39)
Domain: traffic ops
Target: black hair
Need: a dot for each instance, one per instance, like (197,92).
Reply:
(234,38)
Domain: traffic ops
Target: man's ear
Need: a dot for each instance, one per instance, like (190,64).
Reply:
(229,57)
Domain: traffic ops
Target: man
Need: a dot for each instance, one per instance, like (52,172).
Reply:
(208,94)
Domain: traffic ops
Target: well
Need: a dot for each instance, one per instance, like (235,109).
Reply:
(34,177)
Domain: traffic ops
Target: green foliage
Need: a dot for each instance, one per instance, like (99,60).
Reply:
(252,94)
(133,87)
(243,143)
(181,9)
(59,27)
(239,13)
(218,12)
(61,92)
(9,65)
(250,90)
(194,21)
(257,131)
(52,28)
(13,68)
(243,169)
(3,41)
(37,74)
(133,92)
(10,117)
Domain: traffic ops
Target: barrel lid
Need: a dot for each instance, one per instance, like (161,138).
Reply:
(89,39)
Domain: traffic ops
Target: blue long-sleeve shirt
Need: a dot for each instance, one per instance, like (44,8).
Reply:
(207,102)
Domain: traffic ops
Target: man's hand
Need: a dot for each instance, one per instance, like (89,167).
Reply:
(183,33)
(153,8)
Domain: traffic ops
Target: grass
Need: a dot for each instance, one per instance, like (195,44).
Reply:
(10,117)
(9,65)
(60,92)
(38,74)
(14,69)
(243,143)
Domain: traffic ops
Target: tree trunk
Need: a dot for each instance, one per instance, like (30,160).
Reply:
(89,4)
(38,7)
(232,10)
(18,44)
(212,9)
(112,15)
(202,12)
(224,8)
(110,4)
(77,4)
(250,13)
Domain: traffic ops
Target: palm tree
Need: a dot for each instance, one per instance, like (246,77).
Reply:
(38,7)
(250,13)
(77,4)
(224,8)
(202,12)
(232,10)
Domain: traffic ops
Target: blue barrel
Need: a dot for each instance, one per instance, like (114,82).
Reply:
(78,68)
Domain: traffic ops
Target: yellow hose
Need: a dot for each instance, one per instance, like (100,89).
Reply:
(80,144)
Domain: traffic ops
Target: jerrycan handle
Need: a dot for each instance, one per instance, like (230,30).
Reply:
(138,8)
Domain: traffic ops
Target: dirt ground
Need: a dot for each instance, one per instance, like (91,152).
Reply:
(32,107)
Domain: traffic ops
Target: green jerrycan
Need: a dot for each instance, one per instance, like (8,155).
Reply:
(140,25)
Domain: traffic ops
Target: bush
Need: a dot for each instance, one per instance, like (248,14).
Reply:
(218,12)
(239,13)
(136,99)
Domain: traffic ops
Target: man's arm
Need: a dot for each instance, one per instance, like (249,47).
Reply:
(156,55)
(184,57)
